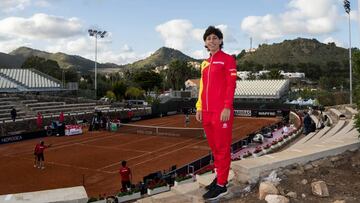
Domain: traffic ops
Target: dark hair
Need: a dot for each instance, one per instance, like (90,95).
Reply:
(216,31)
(123,163)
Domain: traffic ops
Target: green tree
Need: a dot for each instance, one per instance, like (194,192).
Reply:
(43,65)
(178,73)
(71,75)
(102,87)
(356,75)
(147,80)
(110,94)
(119,89)
(134,93)
(241,54)
(275,74)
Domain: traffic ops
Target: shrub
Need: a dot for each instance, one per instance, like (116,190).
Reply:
(130,192)
(257,150)
(267,146)
(247,154)
(92,199)
(183,177)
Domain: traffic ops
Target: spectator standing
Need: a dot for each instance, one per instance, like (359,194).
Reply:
(126,176)
(61,117)
(13,114)
(307,123)
(39,120)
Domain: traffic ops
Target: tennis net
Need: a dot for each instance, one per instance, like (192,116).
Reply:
(162,131)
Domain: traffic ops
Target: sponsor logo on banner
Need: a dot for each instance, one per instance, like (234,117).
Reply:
(171,113)
(11,139)
(245,113)
(136,118)
(266,113)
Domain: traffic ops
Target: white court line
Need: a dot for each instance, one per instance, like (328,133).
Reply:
(65,165)
(164,154)
(74,142)
(114,148)
(150,152)
(161,149)
(68,143)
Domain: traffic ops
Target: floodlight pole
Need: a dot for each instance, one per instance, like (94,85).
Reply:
(96,34)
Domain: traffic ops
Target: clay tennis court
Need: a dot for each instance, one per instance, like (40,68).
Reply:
(92,159)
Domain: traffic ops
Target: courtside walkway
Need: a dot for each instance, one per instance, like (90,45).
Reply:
(68,195)
(326,142)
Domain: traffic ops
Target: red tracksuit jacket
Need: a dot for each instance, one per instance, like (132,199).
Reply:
(217,83)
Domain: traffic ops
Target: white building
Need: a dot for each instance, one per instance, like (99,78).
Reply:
(292,75)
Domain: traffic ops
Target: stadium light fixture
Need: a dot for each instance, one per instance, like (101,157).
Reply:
(96,34)
(347,10)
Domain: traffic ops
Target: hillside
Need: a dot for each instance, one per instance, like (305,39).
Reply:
(296,51)
(161,57)
(64,60)
(10,61)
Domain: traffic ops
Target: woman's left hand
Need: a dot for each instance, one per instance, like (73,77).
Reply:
(225,115)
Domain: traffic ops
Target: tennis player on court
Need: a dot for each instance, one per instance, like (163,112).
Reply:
(39,154)
(215,107)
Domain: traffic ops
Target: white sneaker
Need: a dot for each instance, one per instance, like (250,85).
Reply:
(34,165)
(43,167)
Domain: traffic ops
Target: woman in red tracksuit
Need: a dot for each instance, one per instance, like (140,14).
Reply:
(215,107)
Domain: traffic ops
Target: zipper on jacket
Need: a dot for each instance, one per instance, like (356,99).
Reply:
(207,87)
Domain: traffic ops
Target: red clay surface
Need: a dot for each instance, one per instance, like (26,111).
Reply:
(93,158)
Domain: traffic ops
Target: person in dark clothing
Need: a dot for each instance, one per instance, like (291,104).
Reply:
(13,114)
(307,123)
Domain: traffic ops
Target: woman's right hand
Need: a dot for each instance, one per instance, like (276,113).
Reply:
(198,116)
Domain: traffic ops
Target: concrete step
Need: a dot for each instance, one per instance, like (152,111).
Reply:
(248,169)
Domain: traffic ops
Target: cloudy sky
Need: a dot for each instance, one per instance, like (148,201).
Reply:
(137,28)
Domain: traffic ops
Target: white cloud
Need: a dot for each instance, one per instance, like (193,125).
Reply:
(127,48)
(200,54)
(331,39)
(197,34)
(228,37)
(9,44)
(42,3)
(85,47)
(8,6)
(354,15)
(180,34)
(301,17)
(41,26)
(175,33)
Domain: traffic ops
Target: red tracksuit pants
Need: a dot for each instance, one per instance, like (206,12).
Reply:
(219,136)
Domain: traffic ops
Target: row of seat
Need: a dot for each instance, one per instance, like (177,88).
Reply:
(260,87)
(29,78)
(6,84)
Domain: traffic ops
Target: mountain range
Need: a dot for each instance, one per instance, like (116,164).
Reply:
(291,52)
(296,51)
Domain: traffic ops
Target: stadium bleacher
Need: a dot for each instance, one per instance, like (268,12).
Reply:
(261,88)
(20,80)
